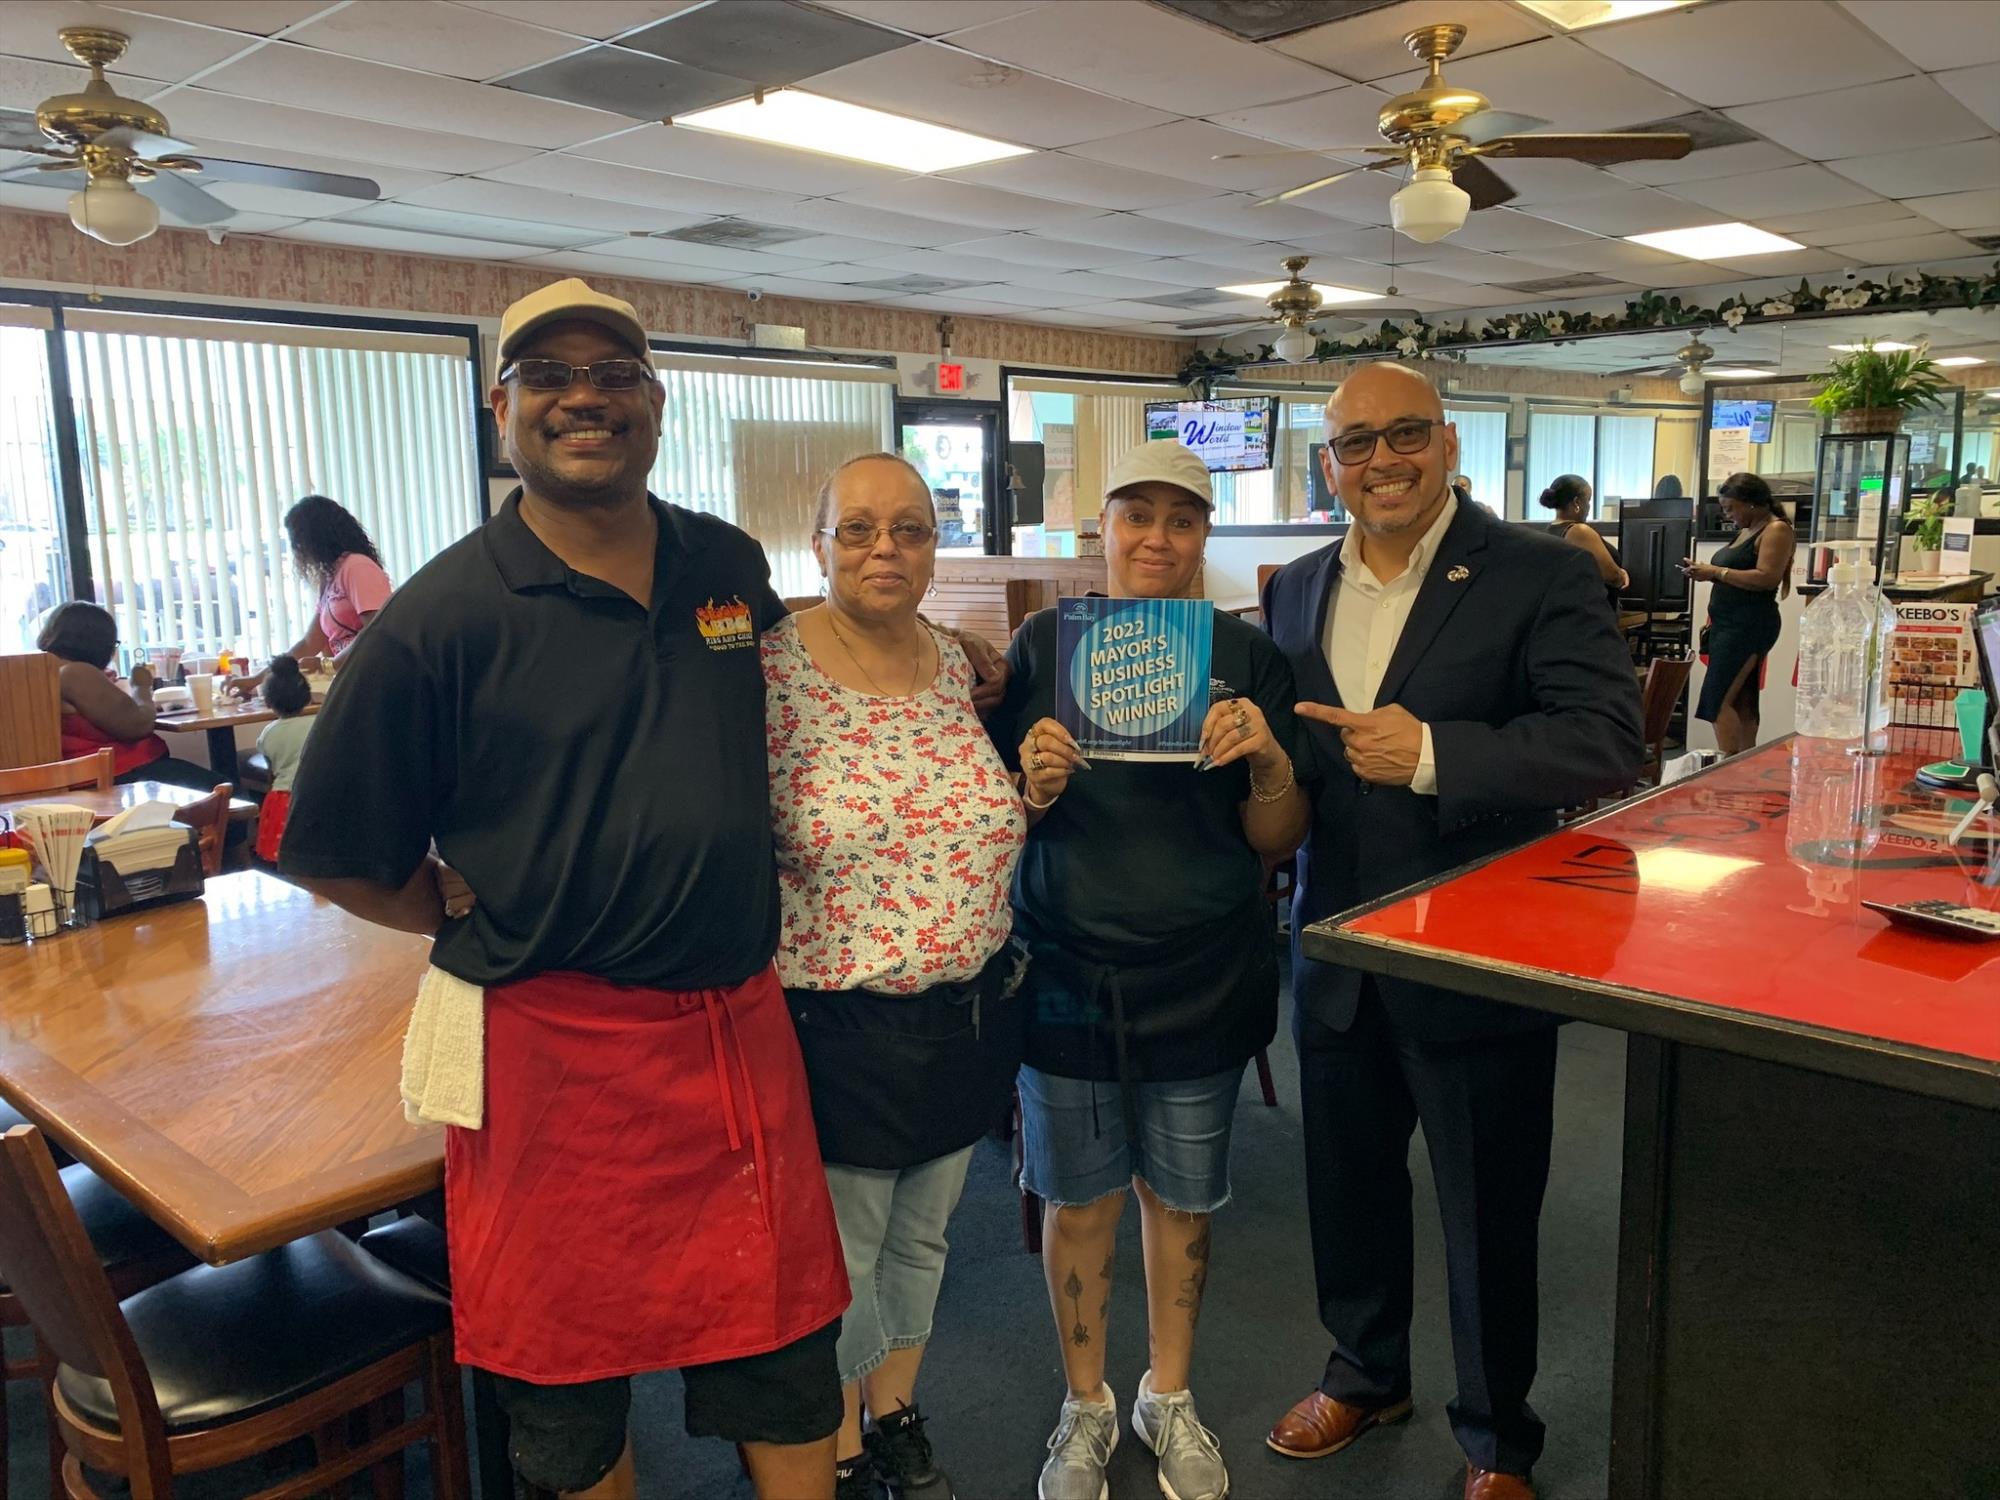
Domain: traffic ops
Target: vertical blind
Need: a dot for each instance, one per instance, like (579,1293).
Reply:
(196,437)
(1624,461)
(33,574)
(751,442)
(1559,443)
(1482,452)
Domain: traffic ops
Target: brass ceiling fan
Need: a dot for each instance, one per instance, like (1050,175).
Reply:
(113,146)
(1295,307)
(1440,133)
(1687,366)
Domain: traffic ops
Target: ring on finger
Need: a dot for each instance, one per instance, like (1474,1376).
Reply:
(1036,763)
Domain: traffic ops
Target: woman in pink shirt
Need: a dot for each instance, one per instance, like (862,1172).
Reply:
(332,553)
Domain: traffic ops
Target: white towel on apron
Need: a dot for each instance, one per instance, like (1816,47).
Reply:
(444,1053)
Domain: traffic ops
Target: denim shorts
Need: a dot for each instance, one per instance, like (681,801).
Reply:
(1074,1149)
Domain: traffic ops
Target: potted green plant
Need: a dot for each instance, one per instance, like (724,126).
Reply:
(1871,390)
(1926,533)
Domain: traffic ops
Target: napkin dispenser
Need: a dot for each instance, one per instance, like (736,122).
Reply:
(103,890)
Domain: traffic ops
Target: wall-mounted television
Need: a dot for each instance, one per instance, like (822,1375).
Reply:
(1229,436)
(1755,415)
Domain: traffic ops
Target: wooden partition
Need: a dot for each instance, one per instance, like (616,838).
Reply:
(30,710)
(993,595)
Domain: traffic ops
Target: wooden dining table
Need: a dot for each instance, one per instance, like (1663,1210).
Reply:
(228,1063)
(220,723)
(105,803)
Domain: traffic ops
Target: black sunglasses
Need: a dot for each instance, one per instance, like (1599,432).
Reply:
(1411,435)
(556,374)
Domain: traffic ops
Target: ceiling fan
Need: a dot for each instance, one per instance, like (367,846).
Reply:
(1294,307)
(111,144)
(1440,132)
(1687,365)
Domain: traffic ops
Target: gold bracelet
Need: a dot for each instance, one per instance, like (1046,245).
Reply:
(1263,796)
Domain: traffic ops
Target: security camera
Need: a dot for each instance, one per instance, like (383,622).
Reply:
(754,295)
(217,236)
(1851,274)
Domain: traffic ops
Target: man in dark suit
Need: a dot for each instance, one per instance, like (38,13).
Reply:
(1470,681)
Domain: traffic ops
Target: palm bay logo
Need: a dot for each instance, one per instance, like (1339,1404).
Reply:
(725,627)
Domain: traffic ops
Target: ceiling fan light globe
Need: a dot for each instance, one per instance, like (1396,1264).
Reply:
(109,209)
(1430,207)
(1691,383)
(1295,345)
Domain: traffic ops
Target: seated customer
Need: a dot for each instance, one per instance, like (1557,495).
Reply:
(97,713)
(287,694)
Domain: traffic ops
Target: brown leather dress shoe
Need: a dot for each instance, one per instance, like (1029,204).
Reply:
(1491,1484)
(1319,1425)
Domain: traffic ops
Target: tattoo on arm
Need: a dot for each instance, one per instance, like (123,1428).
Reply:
(1197,1277)
(1073,1289)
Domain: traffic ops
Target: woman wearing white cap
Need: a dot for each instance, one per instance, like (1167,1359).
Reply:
(1153,979)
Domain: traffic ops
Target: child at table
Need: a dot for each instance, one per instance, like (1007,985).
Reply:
(287,694)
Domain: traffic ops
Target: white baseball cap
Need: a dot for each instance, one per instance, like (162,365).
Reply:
(572,298)
(1163,461)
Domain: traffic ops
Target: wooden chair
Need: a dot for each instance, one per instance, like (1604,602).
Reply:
(97,770)
(30,709)
(210,819)
(315,1333)
(1666,679)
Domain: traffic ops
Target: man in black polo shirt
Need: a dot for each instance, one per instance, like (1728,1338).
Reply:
(569,704)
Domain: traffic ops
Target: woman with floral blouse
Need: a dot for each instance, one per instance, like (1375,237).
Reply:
(897,832)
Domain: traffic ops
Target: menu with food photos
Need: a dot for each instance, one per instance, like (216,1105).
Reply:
(1132,676)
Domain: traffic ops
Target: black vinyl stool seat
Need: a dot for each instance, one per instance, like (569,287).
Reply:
(223,1343)
(10,1117)
(414,1246)
(119,1230)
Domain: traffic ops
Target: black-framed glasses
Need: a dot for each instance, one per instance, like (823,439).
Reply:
(854,535)
(556,374)
(1411,435)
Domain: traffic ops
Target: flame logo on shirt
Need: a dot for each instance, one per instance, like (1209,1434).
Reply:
(725,626)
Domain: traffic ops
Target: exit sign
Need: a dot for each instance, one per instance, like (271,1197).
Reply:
(950,378)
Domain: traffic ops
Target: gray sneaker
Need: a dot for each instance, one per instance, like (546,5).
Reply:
(1190,1457)
(1085,1434)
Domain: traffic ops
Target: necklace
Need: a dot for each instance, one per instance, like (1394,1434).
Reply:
(916,667)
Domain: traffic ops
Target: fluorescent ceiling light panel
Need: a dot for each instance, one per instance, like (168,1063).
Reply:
(1956,361)
(808,122)
(1882,346)
(1716,241)
(1574,15)
(1738,373)
(1329,295)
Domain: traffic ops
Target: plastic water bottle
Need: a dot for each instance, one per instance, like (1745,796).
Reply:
(1843,638)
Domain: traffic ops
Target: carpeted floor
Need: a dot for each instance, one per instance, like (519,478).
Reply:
(992,1382)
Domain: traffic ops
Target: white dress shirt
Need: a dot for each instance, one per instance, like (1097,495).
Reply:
(1367,620)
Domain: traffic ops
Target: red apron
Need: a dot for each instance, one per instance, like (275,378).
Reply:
(647,1191)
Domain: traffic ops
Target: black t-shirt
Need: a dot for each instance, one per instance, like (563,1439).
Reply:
(1135,853)
(595,770)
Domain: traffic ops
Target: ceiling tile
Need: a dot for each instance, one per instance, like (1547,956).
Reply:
(930,17)
(280,73)
(1174,272)
(1636,211)
(1087,285)
(1896,116)
(589,263)
(1978,89)
(1556,180)
(1801,189)
(1023,296)
(200,114)
(1237,214)
(1640,263)
(1934,169)
(1507,230)
(832,248)
(1370,45)
(1785,263)
(1375,243)
(552,236)
(1182,66)
(402,242)
(1339,117)
(1361,199)
(433,36)
(830,216)
(1934,34)
(721,158)
(662,190)
(954,261)
(769,42)
(393,181)
(940,198)
(1907,250)
(1717,161)
(806,288)
(1072,179)
(1864,213)
(1577,88)
(1744,54)
(252,17)
(592,18)
(1040,250)
(162,49)
(1458,264)
(26,82)
(634,84)
(950,87)
(507,200)
(1139,235)
(683,253)
(1856,234)
(1187,149)
(1977,210)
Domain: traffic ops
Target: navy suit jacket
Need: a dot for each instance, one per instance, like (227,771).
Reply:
(1512,657)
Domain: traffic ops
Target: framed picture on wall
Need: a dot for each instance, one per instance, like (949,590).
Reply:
(492,457)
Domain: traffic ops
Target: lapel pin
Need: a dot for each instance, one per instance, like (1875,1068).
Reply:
(1459,574)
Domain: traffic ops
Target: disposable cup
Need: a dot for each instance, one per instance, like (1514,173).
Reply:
(201,687)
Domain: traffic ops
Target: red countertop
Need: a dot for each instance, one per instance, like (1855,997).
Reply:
(1739,890)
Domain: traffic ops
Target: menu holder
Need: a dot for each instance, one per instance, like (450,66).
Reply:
(103,891)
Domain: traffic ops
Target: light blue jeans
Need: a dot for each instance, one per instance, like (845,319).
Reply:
(892,1232)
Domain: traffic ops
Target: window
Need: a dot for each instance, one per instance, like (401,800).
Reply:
(1624,462)
(1289,489)
(197,435)
(1482,452)
(34,573)
(751,440)
(1084,427)
(1559,443)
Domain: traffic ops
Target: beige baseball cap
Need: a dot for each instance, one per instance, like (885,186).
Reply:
(572,298)
(1163,461)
